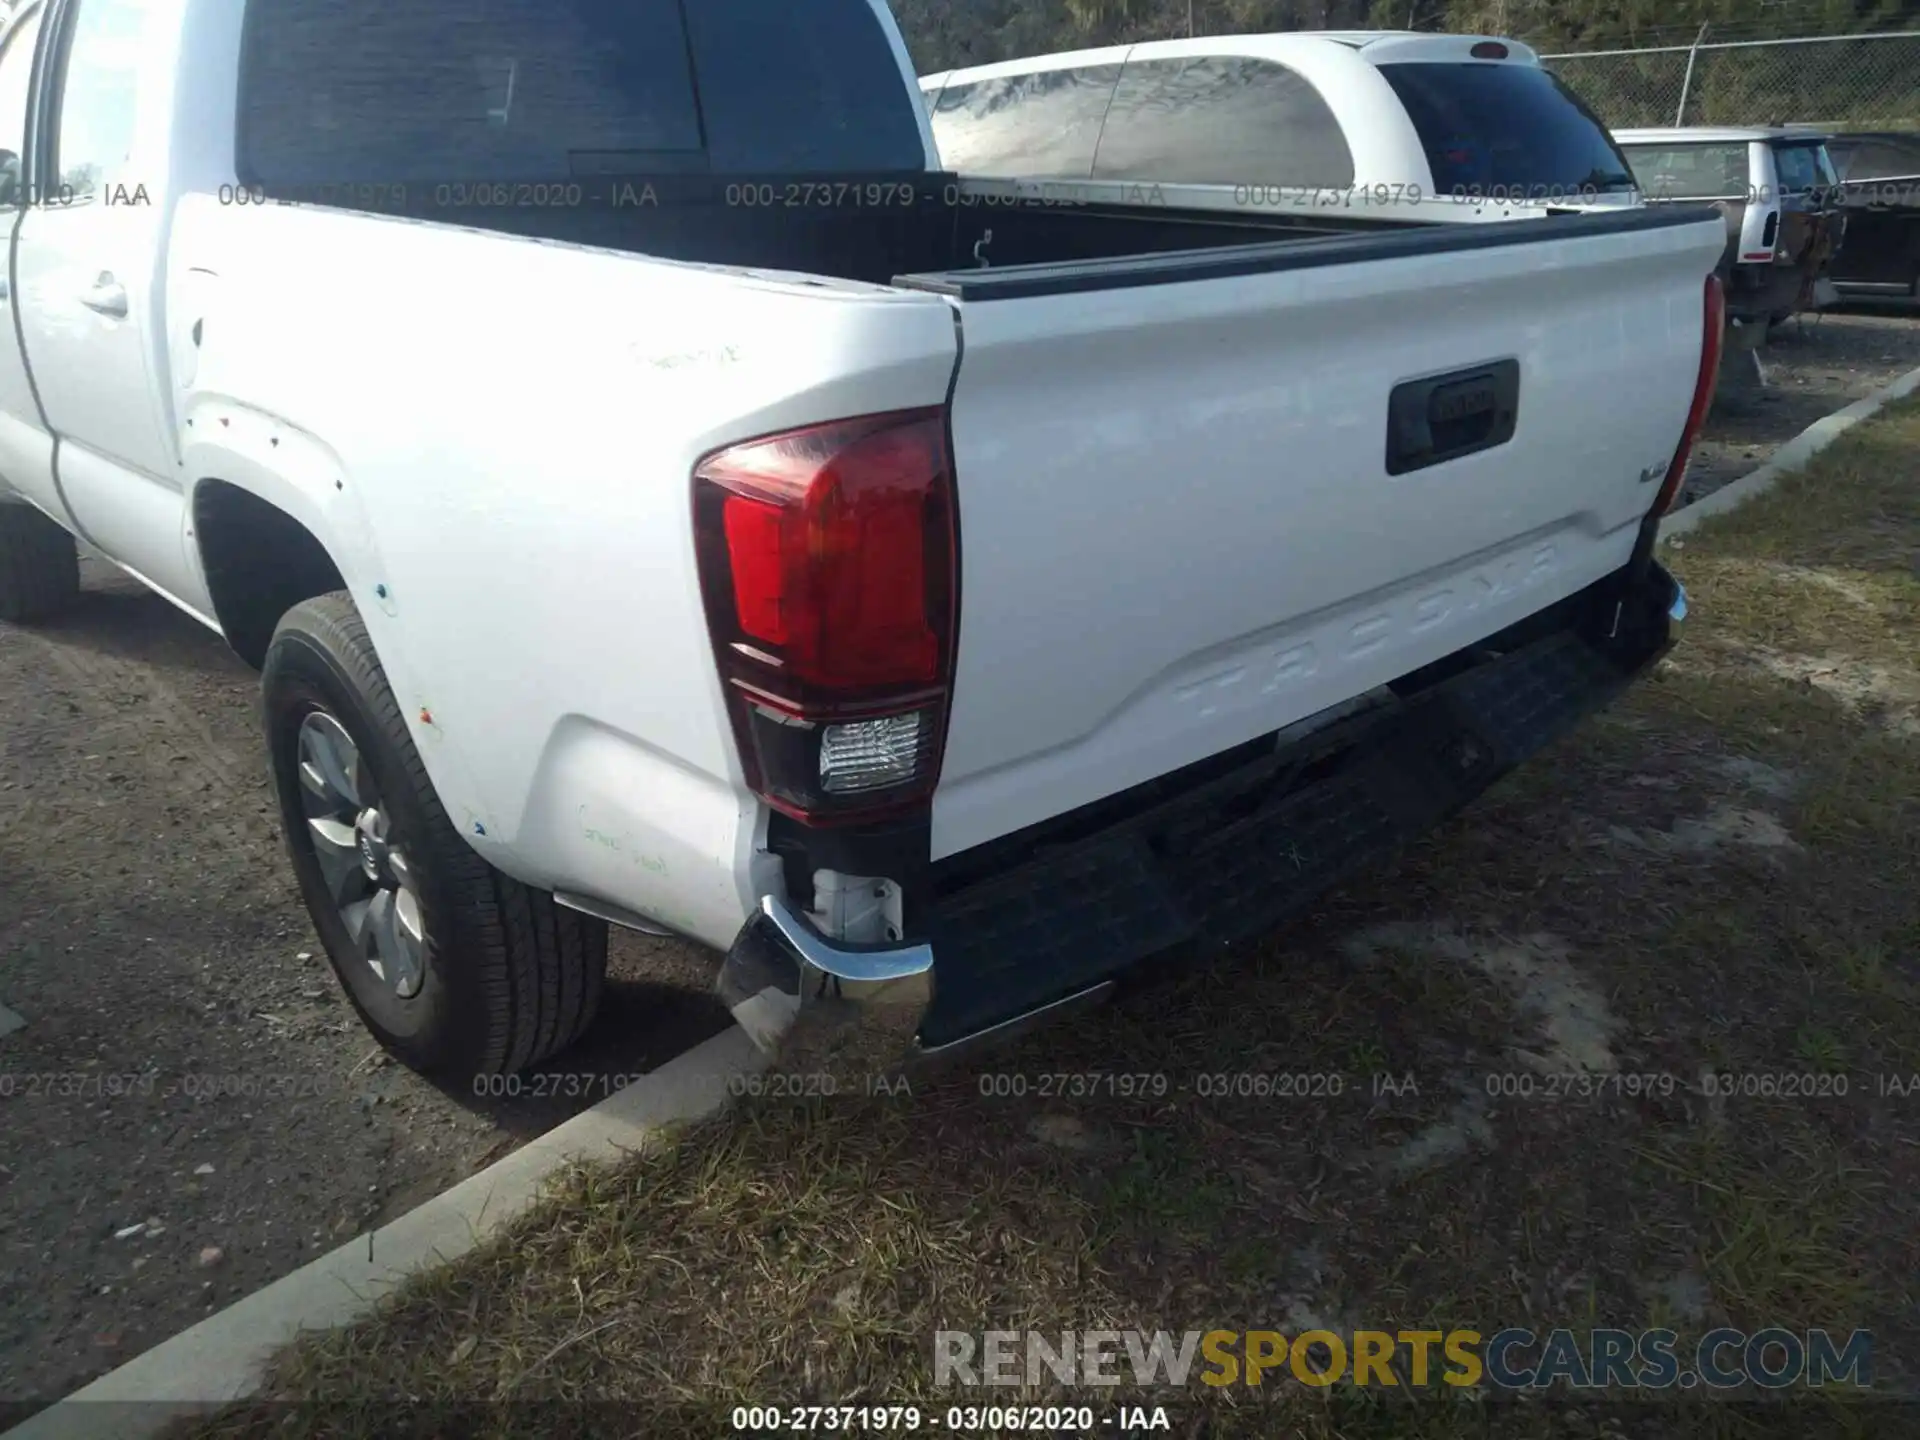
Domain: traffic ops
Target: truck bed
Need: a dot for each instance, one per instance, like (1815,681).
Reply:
(862,227)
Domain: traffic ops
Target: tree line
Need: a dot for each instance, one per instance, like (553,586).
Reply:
(942,34)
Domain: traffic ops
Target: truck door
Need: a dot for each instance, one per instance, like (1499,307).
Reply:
(26,449)
(89,275)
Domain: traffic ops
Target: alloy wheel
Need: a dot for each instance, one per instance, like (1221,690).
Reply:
(368,876)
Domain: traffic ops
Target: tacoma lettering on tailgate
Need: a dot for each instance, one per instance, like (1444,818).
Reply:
(1409,616)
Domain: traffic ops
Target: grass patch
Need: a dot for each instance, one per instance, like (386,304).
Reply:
(1714,889)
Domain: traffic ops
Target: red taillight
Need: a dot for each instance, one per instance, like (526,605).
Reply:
(1488,50)
(1713,336)
(828,568)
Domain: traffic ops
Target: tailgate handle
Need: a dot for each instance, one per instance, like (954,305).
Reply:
(1446,416)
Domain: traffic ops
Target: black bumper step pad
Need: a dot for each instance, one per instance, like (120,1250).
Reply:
(1073,918)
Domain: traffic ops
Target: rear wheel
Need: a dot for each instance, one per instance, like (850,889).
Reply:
(39,564)
(454,967)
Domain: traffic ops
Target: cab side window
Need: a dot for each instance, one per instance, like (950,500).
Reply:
(1221,120)
(16,75)
(93,139)
(1043,124)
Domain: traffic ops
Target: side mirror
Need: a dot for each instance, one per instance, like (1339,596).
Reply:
(9,176)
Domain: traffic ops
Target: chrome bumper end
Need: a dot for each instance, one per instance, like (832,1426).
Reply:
(820,1005)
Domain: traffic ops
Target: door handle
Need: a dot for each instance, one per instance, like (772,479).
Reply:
(6,290)
(108,297)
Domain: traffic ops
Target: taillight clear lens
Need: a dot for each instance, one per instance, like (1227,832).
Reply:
(863,755)
(827,560)
(1713,337)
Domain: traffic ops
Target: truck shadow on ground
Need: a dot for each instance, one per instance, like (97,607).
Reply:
(117,618)
(643,1024)
(129,657)
(249,994)
(180,1012)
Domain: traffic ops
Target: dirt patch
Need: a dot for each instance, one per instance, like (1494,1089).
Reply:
(188,1108)
(1573,1021)
(1528,1075)
(1722,825)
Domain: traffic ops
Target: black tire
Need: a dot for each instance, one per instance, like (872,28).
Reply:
(39,564)
(510,977)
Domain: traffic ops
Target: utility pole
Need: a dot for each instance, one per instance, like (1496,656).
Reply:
(1686,81)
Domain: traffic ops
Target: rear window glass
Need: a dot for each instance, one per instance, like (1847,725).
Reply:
(1506,131)
(1691,172)
(787,87)
(369,91)
(1802,167)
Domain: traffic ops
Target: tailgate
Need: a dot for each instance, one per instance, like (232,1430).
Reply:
(1183,524)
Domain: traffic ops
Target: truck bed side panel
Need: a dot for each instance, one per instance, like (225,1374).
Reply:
(508,494)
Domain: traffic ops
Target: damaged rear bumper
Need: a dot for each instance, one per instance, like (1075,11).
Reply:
(782,976)
(1049,922)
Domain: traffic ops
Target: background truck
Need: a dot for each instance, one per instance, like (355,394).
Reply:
(1391,125)
(655,493)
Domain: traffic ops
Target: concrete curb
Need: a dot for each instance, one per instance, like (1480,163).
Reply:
(224,1357)
(1788,458)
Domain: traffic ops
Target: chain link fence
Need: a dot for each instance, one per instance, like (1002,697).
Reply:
(1856,81)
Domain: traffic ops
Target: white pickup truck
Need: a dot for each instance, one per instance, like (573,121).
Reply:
(655,493)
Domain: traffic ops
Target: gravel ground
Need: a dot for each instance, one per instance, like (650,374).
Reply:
(191,1109)
(1814,366)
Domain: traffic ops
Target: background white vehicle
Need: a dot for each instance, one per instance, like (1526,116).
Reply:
(1780,195)
(644,506)
(1393,125)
